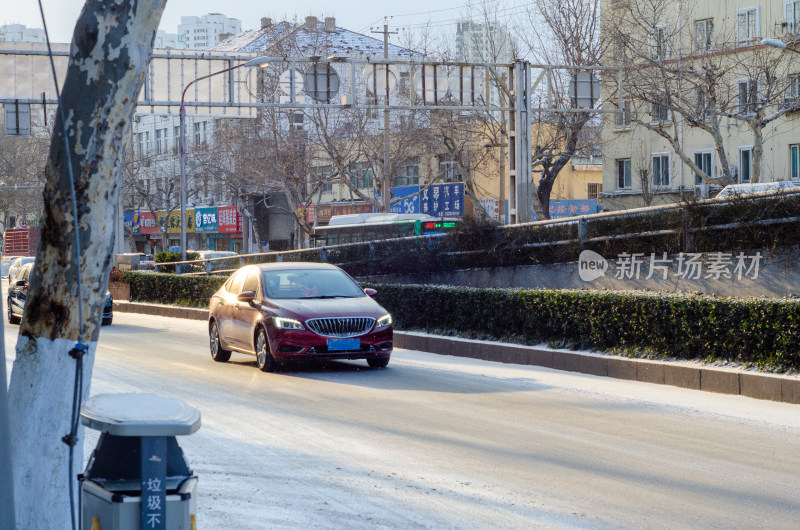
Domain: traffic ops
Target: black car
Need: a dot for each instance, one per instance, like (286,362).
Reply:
(18,294)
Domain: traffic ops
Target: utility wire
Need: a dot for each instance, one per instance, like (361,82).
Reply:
(80,348)
(502,13)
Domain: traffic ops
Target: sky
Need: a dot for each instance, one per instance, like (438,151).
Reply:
(351,14)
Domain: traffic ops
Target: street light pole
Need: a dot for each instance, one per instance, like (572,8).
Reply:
(263,62)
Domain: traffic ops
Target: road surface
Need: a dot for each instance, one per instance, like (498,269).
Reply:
(447,442)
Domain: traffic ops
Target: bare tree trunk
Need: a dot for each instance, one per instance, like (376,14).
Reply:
(111,47)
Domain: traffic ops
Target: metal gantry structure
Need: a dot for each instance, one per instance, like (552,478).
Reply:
(335,82)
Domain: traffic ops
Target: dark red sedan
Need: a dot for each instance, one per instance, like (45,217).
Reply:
(292,311)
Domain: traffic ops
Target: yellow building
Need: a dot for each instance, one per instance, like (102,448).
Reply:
(703,102)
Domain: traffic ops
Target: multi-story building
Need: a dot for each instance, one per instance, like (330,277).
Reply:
(484,42)
(166,40)
(322,38)
(20,33)
(702,103)
(199,33)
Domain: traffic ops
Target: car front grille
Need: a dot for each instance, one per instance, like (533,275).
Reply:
(340,327)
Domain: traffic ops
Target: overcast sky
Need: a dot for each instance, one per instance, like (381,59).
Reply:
(351,14)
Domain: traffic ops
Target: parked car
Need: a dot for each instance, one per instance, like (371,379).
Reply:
(16,265)
(737,190)
(5,263)
(217,264)
(292,311)
(18,294)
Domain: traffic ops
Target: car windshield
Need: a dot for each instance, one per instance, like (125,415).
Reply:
(310,283)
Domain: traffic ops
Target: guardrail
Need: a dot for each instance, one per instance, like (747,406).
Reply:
(320,254)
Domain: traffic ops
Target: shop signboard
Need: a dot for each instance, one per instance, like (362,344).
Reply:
(572,208)
(344,208)
(205,220)
(132,222)
(228,220)
(147,223)
(173,222)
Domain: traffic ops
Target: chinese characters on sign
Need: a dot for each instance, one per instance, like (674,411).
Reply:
(205,220)
(228,220)
(154,475)
(571,208)
(684,266)
(438,200)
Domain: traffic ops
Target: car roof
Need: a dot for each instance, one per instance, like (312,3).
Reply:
(295,265)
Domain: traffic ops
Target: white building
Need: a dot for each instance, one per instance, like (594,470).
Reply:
(168,40)
(487,41)
(199,33)
(20,33)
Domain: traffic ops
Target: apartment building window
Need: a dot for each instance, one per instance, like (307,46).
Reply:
(593,190)
(791,10)
(361,175)
(660,113)
(177,137)
(745,164)
(748,93)
(161,141)
(792,95)
(624,173)
(448,169)
(407,173)
(705,161)
(623,116)
(703,30)
(321,172)
(659,44)
(794,162)
(200,132)
(661,169)
(701,105)
(144,143)
(747,26)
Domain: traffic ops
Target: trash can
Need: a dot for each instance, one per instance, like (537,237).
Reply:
(137,477)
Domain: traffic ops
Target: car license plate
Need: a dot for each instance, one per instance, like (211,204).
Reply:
(344,344)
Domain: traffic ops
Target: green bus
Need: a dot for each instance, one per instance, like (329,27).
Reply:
(358,227)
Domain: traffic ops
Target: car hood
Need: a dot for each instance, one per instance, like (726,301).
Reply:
(328,307)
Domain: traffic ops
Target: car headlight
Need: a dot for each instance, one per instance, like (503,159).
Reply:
(384,321)
(286,323)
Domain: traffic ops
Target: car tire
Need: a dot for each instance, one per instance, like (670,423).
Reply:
(264,359)
(217,352)
(378,362)
(12,319)
(107,321)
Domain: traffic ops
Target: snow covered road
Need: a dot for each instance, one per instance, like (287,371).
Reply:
(448,442)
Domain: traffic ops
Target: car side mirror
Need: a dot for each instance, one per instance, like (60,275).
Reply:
(20,283)
(247,297)
(370,292)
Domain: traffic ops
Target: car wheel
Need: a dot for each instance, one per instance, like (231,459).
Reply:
(378,362)
(217,353)
(107,321)
(264,359)
(11,318)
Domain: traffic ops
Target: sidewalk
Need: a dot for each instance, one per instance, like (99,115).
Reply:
(685,374)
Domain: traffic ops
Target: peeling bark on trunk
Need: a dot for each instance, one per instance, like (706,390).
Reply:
(111,47)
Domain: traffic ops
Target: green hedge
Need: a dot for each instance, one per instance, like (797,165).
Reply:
(757,331)
(172,289)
